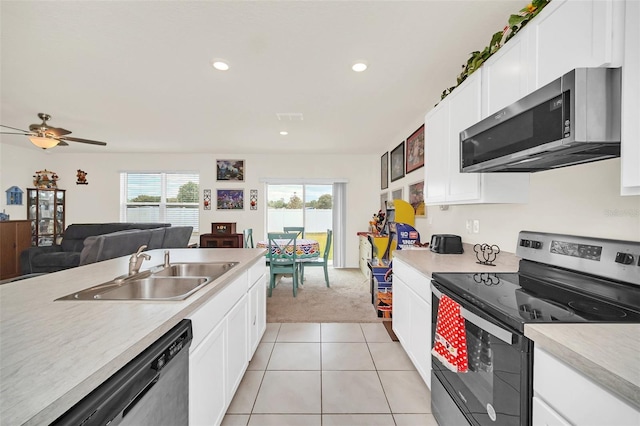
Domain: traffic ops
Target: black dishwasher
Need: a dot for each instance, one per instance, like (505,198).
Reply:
(152,389)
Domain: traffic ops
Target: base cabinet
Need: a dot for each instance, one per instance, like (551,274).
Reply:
(412,316)
(224,340)
(207,403)
(563,396)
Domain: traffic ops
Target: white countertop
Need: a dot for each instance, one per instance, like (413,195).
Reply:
(427,262)
(609,354)
(52,354)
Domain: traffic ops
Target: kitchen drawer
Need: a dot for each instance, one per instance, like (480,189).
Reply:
(413,279)
(256,271)
(209,315)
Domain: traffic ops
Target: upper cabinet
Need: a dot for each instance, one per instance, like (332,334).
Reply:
(445,184)
(631,102)
(567,34)
(570,34)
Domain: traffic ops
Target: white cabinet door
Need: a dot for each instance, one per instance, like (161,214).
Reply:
(401,312)
(543,415)
(630,179)
(236,343)
(421,336)
(504,75)
(257,315)
(436,137)
(464,108)
(207,403)
(571,34)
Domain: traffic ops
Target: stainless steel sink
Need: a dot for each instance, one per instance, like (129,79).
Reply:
(213,270)
(155,288)
(174,282)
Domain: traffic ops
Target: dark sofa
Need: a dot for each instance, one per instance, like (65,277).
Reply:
(67,254)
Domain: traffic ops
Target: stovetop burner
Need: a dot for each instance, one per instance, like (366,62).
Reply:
(600,309)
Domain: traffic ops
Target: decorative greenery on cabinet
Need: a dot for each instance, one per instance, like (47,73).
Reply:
(516,23)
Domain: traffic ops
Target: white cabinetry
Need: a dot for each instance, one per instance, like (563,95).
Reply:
(505,75)
(365,256)
(257,306)
(631,102)
(570,34)
(412,316)
(445,184)
(207,403)
(223,338)
(563,396)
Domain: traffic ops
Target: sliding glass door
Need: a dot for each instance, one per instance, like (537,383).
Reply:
(305,205)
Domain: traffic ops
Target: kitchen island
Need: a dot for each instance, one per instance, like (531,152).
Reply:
(53,353)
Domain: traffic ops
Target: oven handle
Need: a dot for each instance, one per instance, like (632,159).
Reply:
(500,333)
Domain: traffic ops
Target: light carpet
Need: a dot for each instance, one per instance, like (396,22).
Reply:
(346,300)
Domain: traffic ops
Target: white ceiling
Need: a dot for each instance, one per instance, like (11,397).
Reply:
(138,74)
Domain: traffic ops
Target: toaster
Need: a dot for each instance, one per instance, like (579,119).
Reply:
(446,244)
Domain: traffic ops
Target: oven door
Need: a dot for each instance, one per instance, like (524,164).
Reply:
(497,389)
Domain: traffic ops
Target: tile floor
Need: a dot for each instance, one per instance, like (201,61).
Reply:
(342,374)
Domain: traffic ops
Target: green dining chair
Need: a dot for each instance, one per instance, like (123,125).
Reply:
(281,254)
(321,261)
(248,237)
(297,229)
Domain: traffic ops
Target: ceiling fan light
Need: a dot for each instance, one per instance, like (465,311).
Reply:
(43,143)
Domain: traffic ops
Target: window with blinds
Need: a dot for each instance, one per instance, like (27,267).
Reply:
(168,197)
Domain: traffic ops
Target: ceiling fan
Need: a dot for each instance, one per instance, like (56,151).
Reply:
(44,136)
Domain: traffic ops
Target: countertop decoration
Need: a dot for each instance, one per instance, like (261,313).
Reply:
(486,254)
(516,22)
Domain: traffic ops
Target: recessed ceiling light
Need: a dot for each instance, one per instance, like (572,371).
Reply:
(220,65)
(284,133)
(359,66)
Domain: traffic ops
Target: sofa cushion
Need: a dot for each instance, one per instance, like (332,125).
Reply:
(109,246)
(157,237)
(177,236)
(57,261)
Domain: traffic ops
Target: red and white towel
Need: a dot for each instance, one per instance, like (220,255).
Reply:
(450,345)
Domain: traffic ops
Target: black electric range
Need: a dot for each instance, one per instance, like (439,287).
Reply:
(603,287)
(560,279)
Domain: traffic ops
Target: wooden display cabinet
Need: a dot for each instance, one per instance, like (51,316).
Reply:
(46,210)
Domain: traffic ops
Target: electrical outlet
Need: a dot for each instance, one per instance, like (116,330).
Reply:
(476,226)
(469,226)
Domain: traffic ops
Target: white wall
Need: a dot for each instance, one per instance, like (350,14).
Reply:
(580,200)
(99,200)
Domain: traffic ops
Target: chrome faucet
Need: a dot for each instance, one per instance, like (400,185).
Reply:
(136,259)
(166,259)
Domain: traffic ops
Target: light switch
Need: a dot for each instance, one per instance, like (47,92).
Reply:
(476,226)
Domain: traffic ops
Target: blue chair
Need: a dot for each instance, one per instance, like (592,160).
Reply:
(279,262)
(248,238)
(321,261)
(297,229)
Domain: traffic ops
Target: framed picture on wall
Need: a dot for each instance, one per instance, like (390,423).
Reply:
(230,170)
(415,150)
(384,197)
(396,194)
(397,162)
(230,199)
(416,198)
(384,171)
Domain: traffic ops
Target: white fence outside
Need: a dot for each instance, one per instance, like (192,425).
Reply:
(316,220)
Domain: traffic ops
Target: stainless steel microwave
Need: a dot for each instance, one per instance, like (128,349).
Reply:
(574,119)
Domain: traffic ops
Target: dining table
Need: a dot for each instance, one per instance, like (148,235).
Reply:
(305,248)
